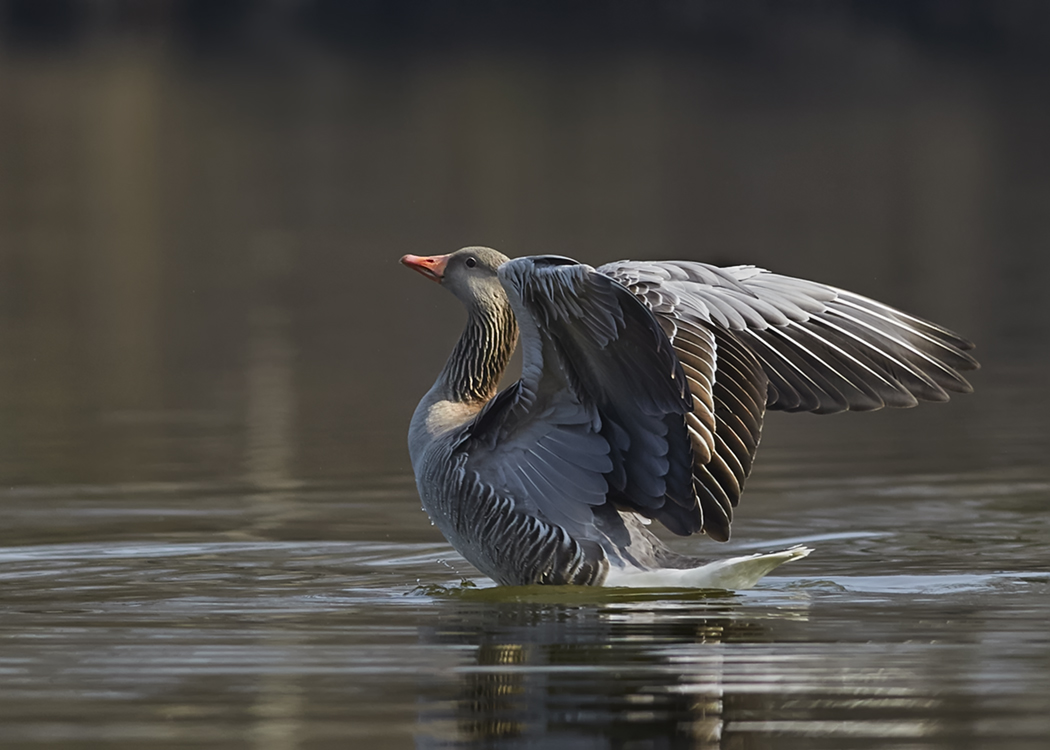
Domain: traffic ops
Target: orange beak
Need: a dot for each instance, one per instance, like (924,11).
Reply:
(431,266)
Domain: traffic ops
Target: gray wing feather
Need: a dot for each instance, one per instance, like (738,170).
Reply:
(824,349)
(749,340)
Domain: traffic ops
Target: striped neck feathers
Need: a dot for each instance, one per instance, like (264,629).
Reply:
(479,358)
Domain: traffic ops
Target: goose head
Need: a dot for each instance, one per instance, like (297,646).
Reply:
(469,273)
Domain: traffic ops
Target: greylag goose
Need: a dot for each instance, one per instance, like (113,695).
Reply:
(641,398)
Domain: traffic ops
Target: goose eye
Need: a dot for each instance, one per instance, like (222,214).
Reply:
(471,262)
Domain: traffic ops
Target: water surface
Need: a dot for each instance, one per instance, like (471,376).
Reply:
(333,615)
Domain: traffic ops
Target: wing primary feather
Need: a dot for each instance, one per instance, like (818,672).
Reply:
(870,371)
(795,393)
(835,371)
(911,322)
(958,358)
(922,381)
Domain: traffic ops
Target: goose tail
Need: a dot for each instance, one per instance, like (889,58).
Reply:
(734,573)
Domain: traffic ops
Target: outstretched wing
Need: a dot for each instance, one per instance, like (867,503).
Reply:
(599,413)
(749,340)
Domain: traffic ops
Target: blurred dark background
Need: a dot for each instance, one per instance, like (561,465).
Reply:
(202,202)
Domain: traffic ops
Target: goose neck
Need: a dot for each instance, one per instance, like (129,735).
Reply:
(479,358)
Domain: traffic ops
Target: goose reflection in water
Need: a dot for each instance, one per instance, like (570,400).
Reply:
(594,676)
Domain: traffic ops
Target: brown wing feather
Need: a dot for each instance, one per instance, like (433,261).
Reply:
(729,389)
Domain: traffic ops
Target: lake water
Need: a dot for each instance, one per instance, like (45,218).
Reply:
(209,533)
(331,614)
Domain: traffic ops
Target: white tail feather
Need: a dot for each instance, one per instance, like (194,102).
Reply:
(732,574)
